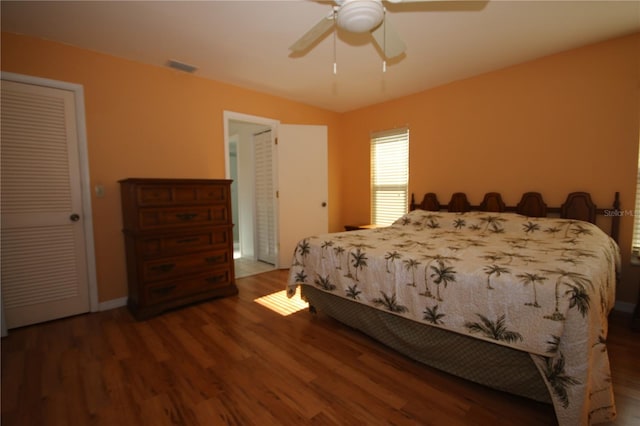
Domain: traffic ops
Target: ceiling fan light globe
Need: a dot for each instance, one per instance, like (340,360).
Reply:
(359,16)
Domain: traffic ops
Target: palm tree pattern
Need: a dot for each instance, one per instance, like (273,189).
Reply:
(389,303)
(432,315)
(496,330)
(443,275)
(559,380)
(514,280)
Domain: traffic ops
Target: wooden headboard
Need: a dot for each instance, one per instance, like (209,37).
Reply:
(578,206)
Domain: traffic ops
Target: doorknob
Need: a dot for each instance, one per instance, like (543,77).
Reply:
(74,217)
(324,204)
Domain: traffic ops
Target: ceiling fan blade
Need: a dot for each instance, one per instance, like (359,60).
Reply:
(318,30)
(409,1)
(393,45)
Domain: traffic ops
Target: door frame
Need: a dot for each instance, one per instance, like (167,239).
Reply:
(85,180)
(253,119)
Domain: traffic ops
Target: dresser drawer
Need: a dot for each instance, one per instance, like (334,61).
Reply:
(171,290)
(182,265)
(182,216)
(167,195)
(184,242)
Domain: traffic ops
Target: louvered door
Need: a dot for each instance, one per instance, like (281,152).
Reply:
(265,201)
(44,271)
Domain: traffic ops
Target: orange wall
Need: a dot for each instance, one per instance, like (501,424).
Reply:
(149,121)
(563,123)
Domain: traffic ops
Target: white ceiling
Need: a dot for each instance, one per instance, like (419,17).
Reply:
(246,43)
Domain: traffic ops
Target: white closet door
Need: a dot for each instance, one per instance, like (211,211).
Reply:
(265,197)
(44,268)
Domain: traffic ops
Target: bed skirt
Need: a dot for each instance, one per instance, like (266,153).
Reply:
(482,362)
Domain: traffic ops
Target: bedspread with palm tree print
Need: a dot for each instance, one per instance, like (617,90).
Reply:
(540,285)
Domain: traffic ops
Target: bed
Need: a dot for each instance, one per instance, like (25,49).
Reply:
(515,298)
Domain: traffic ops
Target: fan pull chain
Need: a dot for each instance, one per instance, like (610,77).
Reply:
(335,31)
(384,40)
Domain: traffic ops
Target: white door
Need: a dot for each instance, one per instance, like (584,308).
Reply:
(44,259)
(265,197)
(303,186)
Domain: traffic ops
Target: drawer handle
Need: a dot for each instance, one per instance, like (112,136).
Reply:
(165,267)
(163,291)
(187,240)
(215,259)
(216,279)
(186,216)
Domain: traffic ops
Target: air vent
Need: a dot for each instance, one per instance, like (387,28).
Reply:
(181,66)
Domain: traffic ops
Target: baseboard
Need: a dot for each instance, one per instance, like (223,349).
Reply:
(112,304)
(624,307)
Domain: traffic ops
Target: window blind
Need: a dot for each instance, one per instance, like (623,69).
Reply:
(389,175)
(636,215)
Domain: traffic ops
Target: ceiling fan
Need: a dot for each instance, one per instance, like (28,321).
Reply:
(358,16)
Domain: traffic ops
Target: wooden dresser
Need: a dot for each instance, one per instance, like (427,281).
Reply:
(179,242)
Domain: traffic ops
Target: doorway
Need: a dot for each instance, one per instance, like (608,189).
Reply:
(300,198)
(254,218)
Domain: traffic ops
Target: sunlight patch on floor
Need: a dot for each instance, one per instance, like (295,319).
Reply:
(280,303)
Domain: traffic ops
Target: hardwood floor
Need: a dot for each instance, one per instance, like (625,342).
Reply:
(234,361)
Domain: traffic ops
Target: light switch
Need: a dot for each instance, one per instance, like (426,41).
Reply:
(99,191)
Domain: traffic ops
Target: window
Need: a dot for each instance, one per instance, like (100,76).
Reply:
(389,175)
